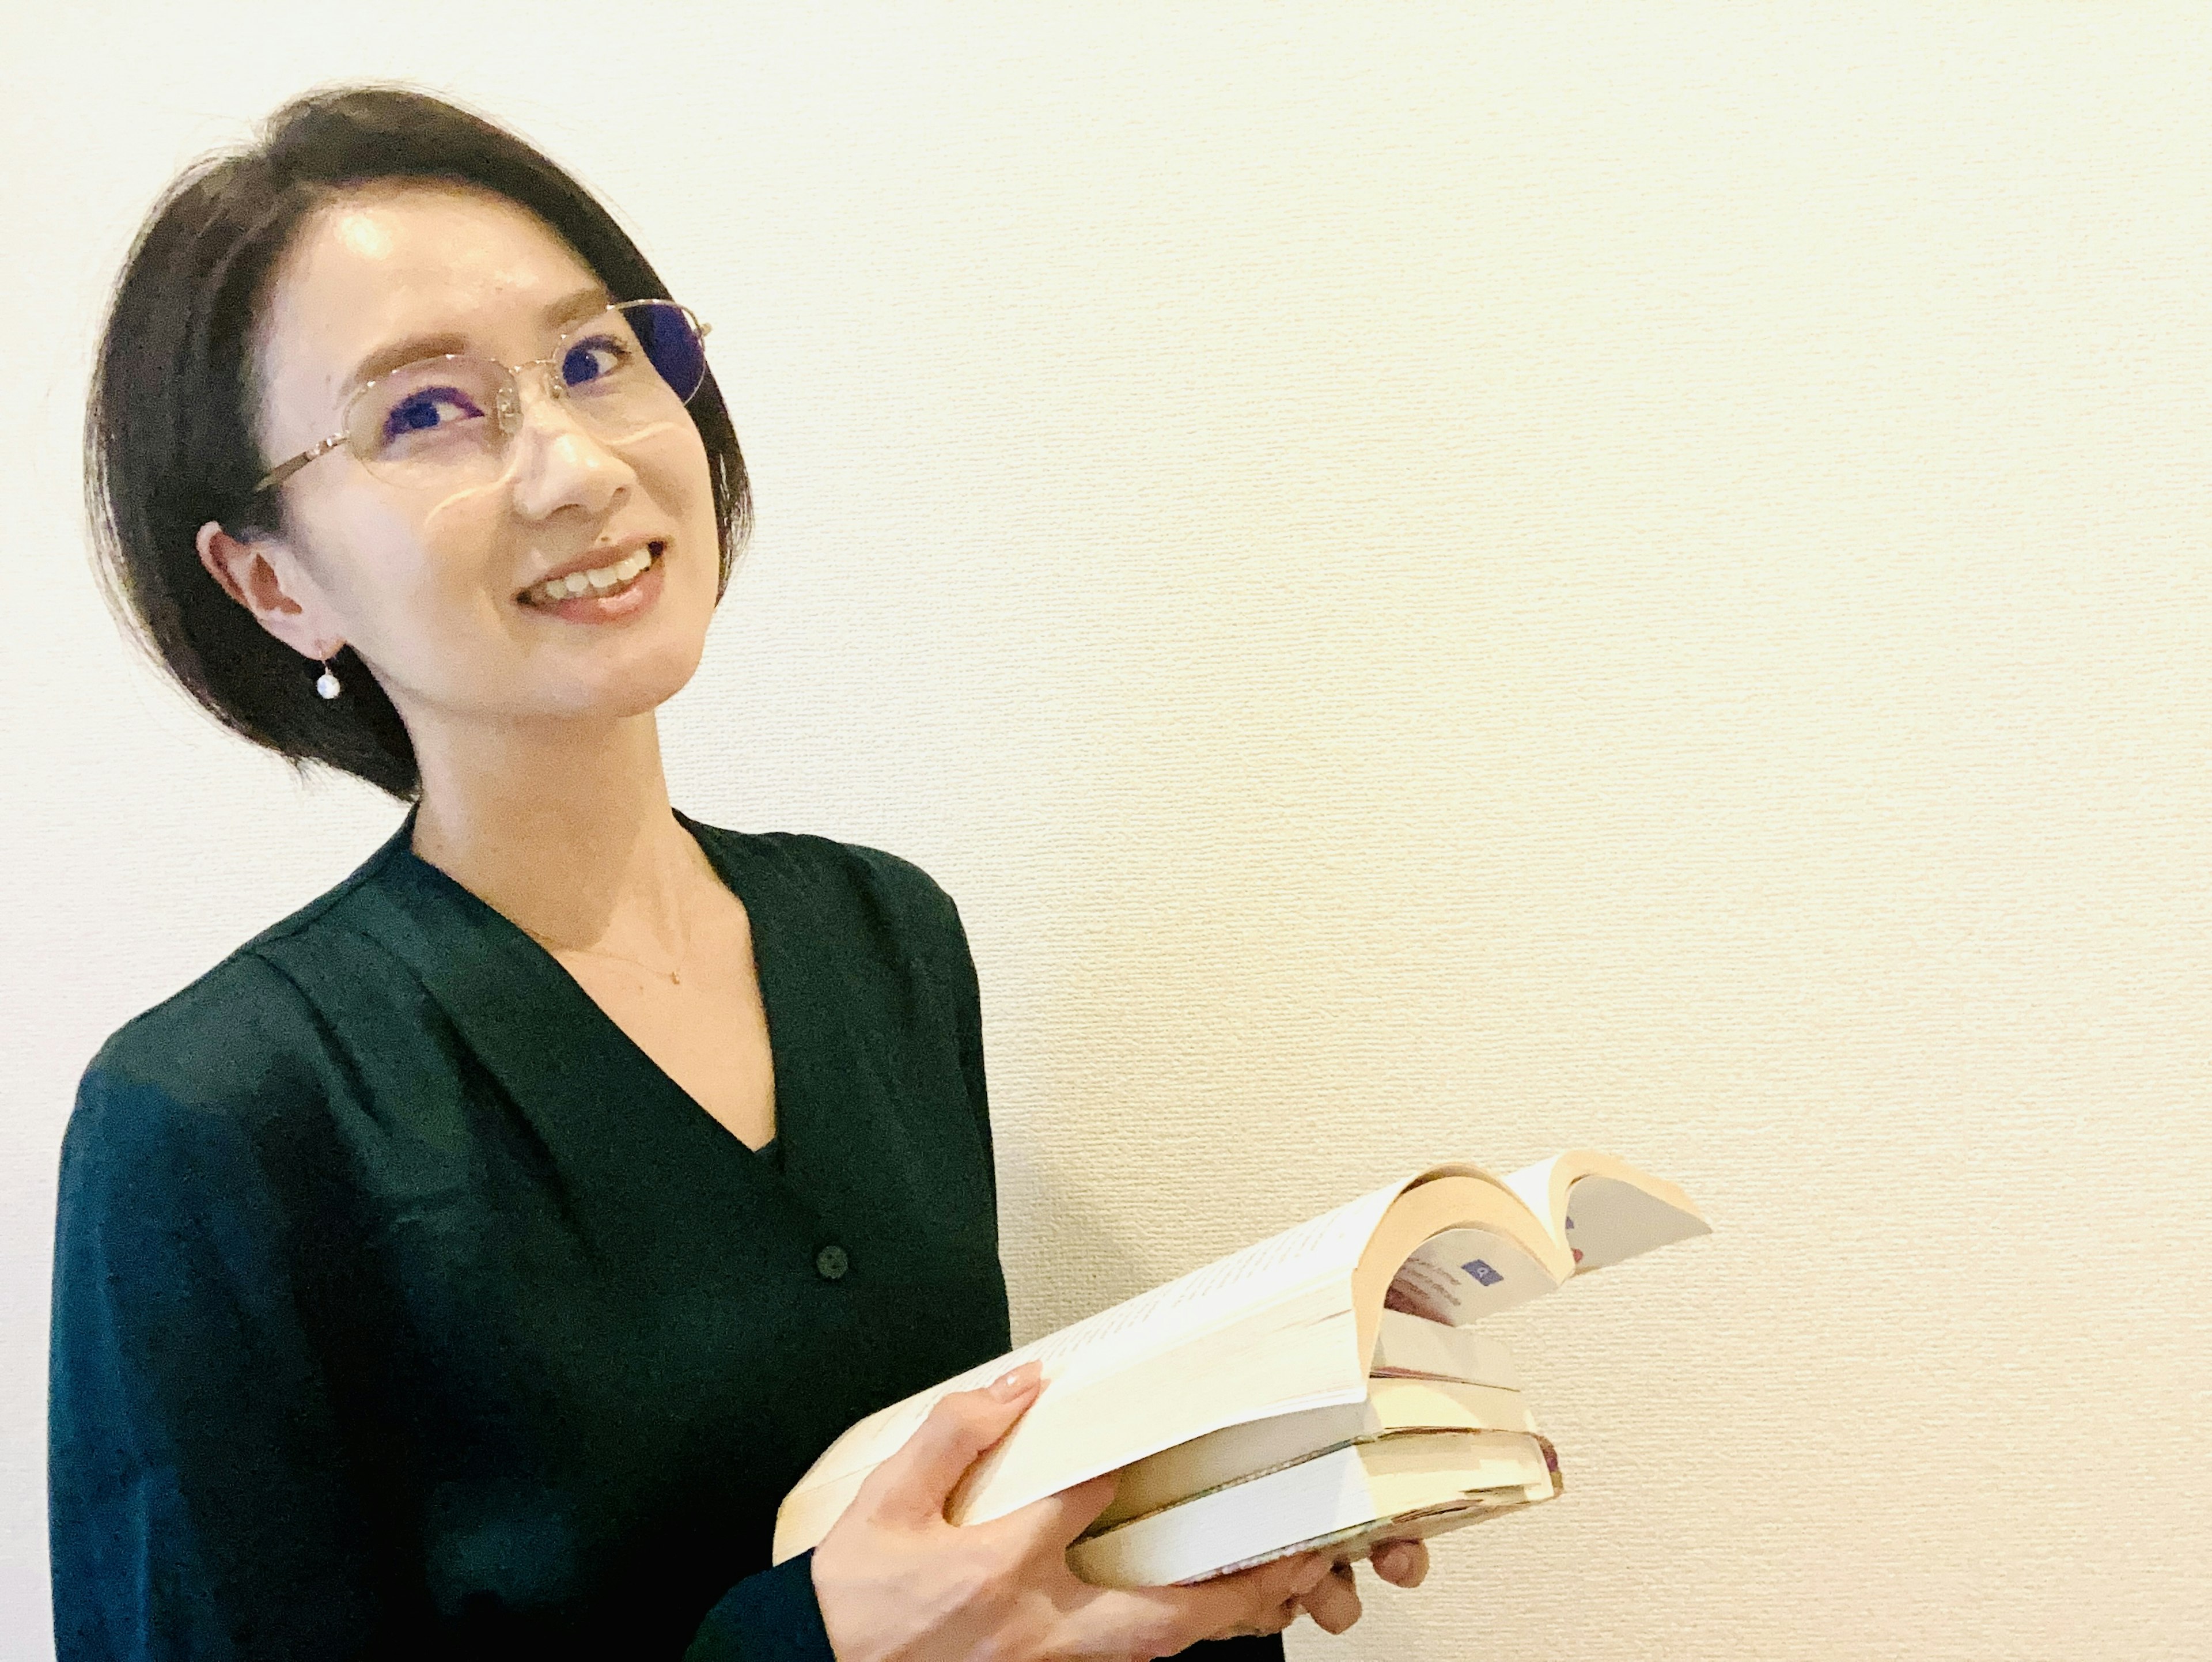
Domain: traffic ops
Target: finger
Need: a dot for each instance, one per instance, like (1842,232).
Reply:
(1171,1619)
(1334,1602)
(1401,1563)
(915,1482)
(1287,1578)
(1256,1598)
(1056,1521)
(1267,1624)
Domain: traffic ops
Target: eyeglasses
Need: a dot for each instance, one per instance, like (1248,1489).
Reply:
(443,421)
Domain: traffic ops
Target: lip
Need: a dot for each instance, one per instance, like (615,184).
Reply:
(591,559)
(619,608)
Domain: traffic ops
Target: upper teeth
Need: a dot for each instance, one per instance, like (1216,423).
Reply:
(599,580)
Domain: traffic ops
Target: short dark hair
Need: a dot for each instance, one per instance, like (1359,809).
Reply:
(169,431)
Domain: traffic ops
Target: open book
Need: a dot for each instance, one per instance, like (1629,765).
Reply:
(1285,1327)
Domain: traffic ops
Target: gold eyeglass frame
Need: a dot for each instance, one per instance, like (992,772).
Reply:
(508,410)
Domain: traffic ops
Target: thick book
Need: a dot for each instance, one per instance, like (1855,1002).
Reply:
(1246,1508)
(1286,1326)
(1403,1486)
(1392,1407)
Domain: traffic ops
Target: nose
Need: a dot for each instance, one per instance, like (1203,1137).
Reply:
(557,461)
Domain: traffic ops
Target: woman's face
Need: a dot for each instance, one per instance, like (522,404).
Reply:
(435,583)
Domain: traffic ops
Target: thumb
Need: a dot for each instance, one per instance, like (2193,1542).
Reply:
(915,1483)
(1058,1520)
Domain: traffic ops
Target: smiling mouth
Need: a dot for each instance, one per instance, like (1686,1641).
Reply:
(600,581)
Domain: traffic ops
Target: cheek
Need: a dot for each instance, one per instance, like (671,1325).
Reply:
(363,556)
(671,463)
(457,529)
(675,477)
(406,586)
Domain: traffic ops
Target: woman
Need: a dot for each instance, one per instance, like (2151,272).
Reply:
(468,1265)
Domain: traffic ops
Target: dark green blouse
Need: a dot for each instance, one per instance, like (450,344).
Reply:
(403,1307)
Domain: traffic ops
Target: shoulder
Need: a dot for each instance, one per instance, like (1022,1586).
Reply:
(241,1042)
(208,1068)
(168,1136)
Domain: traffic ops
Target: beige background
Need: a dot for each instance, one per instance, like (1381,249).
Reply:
(1436,581)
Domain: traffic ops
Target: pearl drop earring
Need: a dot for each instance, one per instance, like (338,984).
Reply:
(327,683)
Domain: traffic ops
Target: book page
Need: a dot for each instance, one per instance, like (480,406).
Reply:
(1351,1487)
(1349,1546)
(1410,1345)
(1299,1354)
(1535,1186)
(1603,1209)
(1608,1221)
(1465,1273)
(1392,1407)
(1215,1296)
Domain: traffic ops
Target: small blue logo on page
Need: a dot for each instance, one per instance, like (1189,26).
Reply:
(1482,1272)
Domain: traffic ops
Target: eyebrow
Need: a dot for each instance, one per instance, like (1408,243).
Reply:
(391,356)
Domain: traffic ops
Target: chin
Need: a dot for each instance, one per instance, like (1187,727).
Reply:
(645,681)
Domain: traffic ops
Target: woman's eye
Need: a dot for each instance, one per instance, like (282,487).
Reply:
(427,411)
(593,359)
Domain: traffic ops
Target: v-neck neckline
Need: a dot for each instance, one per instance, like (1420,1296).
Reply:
(760,944)
(504,939)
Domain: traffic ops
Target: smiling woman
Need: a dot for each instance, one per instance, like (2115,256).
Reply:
(234,328)
(467,1264)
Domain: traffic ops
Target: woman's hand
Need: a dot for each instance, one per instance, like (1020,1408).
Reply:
(898,1583)
(1333,1603)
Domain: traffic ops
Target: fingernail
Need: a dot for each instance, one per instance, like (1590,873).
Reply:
(1014,1381)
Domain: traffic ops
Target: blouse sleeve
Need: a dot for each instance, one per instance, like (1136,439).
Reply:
(199,1501)
(768,1617)
(968,1007)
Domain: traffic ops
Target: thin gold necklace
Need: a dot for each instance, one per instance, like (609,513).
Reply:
(675,975)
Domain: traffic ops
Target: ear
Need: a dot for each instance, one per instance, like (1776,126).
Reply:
(262,573)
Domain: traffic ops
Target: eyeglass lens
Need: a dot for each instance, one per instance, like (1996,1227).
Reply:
(632,366)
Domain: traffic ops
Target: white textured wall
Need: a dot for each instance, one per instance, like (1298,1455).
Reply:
(1437,581)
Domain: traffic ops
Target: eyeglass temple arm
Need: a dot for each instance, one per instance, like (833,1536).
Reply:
(283,471)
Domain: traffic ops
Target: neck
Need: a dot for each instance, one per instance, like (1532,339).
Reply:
(565,829)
